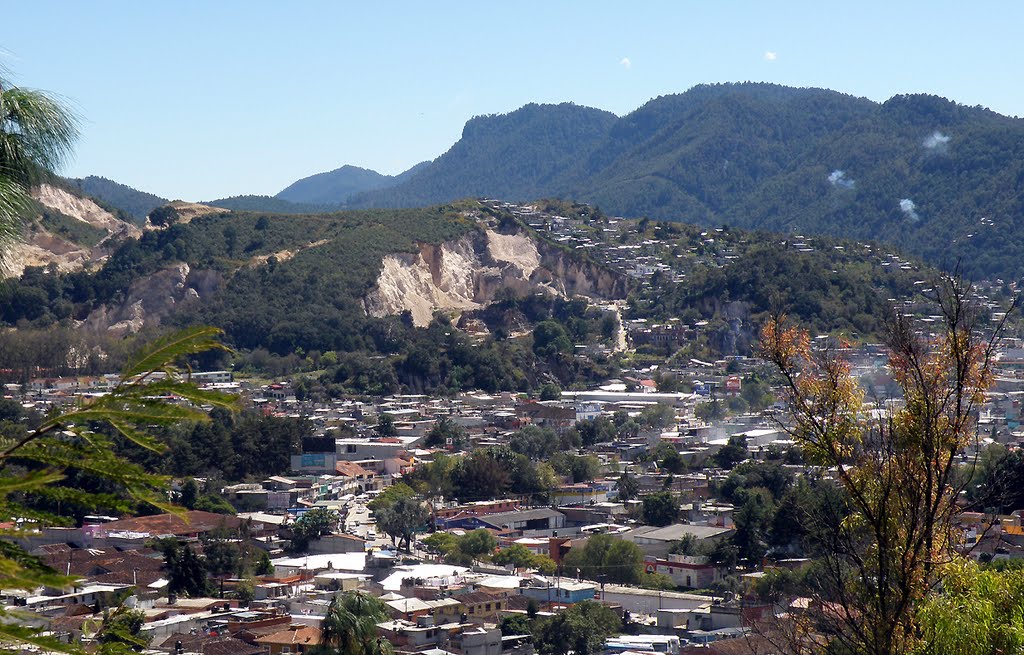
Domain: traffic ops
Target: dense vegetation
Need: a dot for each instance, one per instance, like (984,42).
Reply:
(289,290)
(337,186)
(136,204)
(917,171)
(514,156)
(68,228)
(269,205)
(732,278)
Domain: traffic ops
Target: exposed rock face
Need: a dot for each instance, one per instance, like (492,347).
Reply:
(84,210)
(152,298)
(466,274)
(39,247)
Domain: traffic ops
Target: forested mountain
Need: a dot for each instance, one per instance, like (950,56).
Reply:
(136,204)
(936,178)
(514,156)
(337,186)
(269,205)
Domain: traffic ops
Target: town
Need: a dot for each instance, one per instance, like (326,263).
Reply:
(655,512)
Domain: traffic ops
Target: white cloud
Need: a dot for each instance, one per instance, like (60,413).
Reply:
(770,55)
(908,207)
(626,63)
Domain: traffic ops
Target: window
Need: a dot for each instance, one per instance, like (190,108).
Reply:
(688,581)
(487,607)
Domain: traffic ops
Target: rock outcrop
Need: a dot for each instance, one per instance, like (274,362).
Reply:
(40,247)
(85,210)
(152,298)
(467,274)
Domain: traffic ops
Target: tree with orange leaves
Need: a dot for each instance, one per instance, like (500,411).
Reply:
(895,461)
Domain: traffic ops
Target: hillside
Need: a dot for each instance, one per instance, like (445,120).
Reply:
(368,285)
(66,231)
(515,156)
(934,178)
(137,204)
(269,205)
(337,186)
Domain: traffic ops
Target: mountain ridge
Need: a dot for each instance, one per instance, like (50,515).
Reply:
(917,171)
(334,188)
(936,178)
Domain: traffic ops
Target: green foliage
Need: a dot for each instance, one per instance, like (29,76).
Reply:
(515,624)
(214,503)
(661,508)
(444,433)
(311,526)
(385,426)
(975,612)
(402,519)
(550,391)
(163,216)
(136,204)
(758,155)
(709,411)
(186,572)
(753,523)
(477,543)
(777,584)
(442,542)
(724,553)
(503,156)
(549,339)
(535,442)
(673,462)
(70,229)
(481,476)
(579,468)
(658,581)
(581,630)
(770,476)
(350,626)
(233,447)
(998,481)
(597,430)
(434,479)
(520,557)
(334,187)
(390,496)
(627,487)
(189,494)
(687,545)
(465,549)
(81,444)
(269,205)
(121,632)
(37,133)
(606,558)
(731,454)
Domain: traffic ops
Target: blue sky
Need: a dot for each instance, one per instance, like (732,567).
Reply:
(199,100)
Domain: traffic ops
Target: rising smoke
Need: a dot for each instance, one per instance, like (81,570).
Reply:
(908,207)
(837,178)
(936,142)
